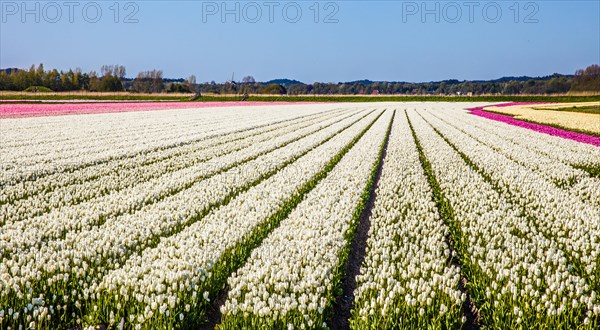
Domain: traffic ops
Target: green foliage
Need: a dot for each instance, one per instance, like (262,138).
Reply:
(148,82)
(110,84)
(178,88)
(37,89)
(593,171)
(275,89)
(587,80)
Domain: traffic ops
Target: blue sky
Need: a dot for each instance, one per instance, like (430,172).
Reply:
(377,40)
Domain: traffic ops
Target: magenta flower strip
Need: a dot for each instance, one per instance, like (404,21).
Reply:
(562,133)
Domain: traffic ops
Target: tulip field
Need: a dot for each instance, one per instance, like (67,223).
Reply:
(246,216)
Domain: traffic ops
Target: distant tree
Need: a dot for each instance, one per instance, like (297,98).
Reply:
(275,89)
(511,88)
(192,85)
(37,76)
(119,71)
(230,87)
(106,70)
(248,80)
(110,83)
(587,79)
(112,78)
(148,82)
(176,87)
(296,89)
(52,80)
(309,89)
(94,81)
(558,85)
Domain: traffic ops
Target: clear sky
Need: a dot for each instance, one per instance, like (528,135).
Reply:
(341,41)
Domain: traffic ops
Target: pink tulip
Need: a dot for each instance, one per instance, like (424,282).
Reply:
(19,110)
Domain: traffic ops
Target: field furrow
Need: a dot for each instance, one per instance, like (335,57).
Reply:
(291,279)
(519,278)
(35,233)
(406,281)
(90,253)
(208,251)
(556,214)
(389,215)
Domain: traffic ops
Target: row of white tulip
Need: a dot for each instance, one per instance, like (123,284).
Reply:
(48,183)
(559,215)
(406,280)
(519,278)
(191,124)
(549,163)
(571,152)
(578,155)
(549,167)
(98,127)
(20,128)
(184,271)
(55,156)
(33,233)
(119,179)
(289,280)
(69,267)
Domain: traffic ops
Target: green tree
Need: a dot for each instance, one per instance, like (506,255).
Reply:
(110,83)
(148,82)
(275,89)
(587,79)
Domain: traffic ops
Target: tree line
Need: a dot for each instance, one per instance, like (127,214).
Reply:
(112,79)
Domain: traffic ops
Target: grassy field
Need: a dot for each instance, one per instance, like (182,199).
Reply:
(124,96)
(595,109)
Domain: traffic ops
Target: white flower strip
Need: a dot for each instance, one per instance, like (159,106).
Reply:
(550,163)
(288,280)
(95,172)
(118,179)
(140,124)
(43,158)
(31,233)
(571,152)
(185,267)
(563,217)
(189,125)
(517,276)
(549,167)
(557,149)
(83,257)
(405,280)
